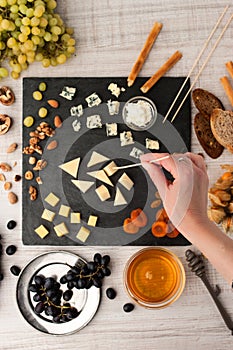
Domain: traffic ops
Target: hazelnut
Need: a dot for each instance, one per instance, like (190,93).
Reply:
(7,186)
(29,175)
(32,160)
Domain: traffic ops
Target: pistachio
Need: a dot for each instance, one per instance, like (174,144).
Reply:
(53,103)
(12,198)
(29,175)
(12,148)
(52,145)
(7,96)
(5,123)
(7,186)
(5,167)
(57,121)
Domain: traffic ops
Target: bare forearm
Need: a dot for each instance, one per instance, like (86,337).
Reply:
(215,245)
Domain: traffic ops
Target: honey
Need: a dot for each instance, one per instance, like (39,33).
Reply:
(154,277)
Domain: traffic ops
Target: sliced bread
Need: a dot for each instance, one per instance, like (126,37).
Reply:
(205,101)
(205,136)
(221,123)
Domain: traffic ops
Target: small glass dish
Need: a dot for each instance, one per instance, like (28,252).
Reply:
(154,277)
(139,113)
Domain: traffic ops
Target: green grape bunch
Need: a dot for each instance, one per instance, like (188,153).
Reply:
(31,31)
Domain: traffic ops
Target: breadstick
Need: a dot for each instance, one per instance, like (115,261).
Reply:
(229,66)
(161,71)
(228,88)
(144,53)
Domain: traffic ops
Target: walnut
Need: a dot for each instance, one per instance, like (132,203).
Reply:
(7,96)
(33,193)
(40,165)
(34,141)
(5,123)
(28,150)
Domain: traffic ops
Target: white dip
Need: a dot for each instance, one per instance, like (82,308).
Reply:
(139,113)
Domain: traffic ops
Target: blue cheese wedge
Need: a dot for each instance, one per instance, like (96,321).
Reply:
(152,144)
(75,218)
(76,125)
(41,231)
(64,210)
(93,100)
(96,158)
(82,185)
(48,215)
(102,193)
(68,92)
(136,153)
(76,111)
(115,89)
(111,129)
(125,181)
(113,107)
(126,138)
(92,220)
(52,199)
(100,175)
(61,229)
(71,167)
(83,234)
(119,198)
(94,122)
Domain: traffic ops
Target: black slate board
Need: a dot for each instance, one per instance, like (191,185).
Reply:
(174,137)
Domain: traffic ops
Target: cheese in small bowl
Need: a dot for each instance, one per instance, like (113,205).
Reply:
(139,113)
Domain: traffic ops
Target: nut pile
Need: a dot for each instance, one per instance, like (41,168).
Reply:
(221,198)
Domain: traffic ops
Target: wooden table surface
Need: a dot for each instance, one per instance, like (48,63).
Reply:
(109,37)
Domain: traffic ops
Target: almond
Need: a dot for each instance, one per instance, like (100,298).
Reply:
(5,167)
(7,186)
(12,148)
(53,103)
(12,198)
(57,121)
(52,145)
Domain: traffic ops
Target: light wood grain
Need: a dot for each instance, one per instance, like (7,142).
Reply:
(109,36)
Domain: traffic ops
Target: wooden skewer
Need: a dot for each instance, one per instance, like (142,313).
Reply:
(196,61)
(203,66)
(228,88)
(138,164)
(144,53)
(229,66)
(161,71)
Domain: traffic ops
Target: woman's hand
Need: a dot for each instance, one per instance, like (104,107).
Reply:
(185,199)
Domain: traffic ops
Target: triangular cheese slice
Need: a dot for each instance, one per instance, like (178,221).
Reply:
(100,175)
(96,158)
(83,185)
(71,167)
(119,198)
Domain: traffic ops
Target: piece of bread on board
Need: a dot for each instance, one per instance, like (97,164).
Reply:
(221,123)
(205,101)
(205,136)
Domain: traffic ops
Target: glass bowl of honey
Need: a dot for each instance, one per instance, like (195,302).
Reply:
(154,277)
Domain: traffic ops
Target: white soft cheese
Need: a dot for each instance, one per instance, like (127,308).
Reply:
(139,113)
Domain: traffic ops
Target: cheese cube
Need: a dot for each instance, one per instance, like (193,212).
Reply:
(102,193)
(92,220)
(113,107)
(110,169)
(76,111)
(75,218)
(68,92)
(94,122)
(42,231)
(126,181)
(48,215)
(64,210)
(93,100)
(61,229)
(126,138)
(52,199)
(111,129)
(136,153)
(152,144)
(83,234)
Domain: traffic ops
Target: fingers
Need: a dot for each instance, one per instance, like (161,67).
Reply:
(169,163)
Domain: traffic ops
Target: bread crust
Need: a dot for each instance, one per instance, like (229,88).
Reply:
(221,136)
(205,136)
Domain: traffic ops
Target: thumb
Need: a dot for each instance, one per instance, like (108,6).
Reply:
(157,176)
